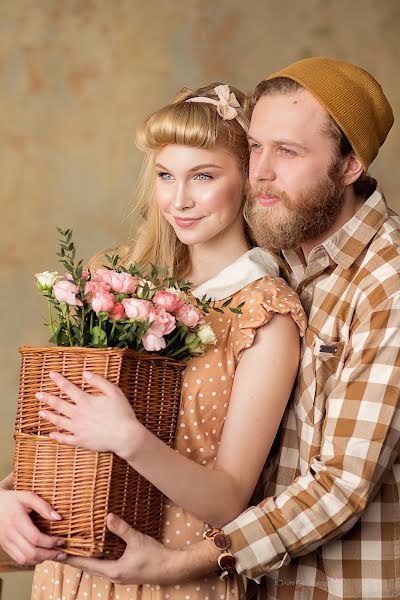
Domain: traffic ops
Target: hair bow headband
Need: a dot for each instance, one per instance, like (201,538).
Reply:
(226,105)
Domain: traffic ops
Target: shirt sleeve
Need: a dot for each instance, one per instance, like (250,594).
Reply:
(360,442)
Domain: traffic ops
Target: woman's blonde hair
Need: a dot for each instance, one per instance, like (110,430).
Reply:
(191,124)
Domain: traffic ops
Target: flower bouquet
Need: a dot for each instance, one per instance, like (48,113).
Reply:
(136,329)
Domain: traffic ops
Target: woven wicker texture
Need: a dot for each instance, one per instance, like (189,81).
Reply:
(84,486)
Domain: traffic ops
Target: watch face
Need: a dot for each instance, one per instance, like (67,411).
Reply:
(222,541)
(227,562)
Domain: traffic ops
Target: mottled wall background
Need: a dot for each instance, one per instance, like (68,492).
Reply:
(77,76)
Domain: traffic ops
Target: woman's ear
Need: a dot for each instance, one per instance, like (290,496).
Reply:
(352,169)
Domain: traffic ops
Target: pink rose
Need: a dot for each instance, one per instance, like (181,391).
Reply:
(122,283)
(137,309)
(167,300)
(117,313)
(102,301)
(189,315)
(65,291)
(94,286)
(153,343)
(162,322)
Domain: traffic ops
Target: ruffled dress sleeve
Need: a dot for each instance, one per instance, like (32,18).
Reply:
(262,300)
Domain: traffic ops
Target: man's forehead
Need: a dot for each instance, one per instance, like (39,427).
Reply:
(291,109)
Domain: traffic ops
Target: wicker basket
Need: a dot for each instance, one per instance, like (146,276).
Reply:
(84,486)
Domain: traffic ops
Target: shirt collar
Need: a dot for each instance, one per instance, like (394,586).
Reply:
(252,265)
(346,244)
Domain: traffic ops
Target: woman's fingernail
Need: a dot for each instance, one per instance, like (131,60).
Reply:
(54,515)
(39,395)
(88,374)
(60,542)
(61,556)
(42,413)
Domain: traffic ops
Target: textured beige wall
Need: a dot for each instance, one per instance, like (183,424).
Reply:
(77,75)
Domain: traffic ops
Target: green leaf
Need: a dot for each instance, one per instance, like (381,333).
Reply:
(227,303)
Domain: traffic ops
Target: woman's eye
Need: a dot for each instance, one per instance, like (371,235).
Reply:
(203,176)
(165,176)
(254,146)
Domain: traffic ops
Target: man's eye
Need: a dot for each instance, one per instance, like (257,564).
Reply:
(165,176)
(287,151)
(203,176)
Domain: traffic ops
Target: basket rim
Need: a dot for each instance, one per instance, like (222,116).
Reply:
(25,349)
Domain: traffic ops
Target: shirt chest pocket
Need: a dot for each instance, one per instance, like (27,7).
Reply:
(321,365)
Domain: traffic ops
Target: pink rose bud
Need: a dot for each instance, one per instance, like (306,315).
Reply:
(189,315)
(171,302)
(102,301)
(153,343)
(137,309)
(65,291)
(162,322)
(117,313)
(122,283)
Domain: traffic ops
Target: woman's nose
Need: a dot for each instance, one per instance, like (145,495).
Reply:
(183,198)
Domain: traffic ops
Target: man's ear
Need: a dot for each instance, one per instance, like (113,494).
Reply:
(352,169)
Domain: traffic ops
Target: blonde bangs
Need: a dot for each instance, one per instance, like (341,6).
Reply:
(183,124)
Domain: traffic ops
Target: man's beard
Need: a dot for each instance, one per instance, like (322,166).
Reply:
(291,223)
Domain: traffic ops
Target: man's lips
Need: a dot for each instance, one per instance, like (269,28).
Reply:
(267,200)
(187,221)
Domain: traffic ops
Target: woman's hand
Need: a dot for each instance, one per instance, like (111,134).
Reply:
(19,537)
(103,422)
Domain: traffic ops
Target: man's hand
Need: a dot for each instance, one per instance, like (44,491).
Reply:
(147,561)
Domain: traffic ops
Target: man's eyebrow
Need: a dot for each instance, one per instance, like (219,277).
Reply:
(281,142)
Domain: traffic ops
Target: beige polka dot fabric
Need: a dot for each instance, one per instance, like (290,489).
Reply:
(206,391)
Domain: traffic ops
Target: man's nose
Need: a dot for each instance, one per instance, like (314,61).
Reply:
(262,167)
(183,198)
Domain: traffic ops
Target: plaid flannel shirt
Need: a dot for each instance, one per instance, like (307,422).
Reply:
(329,524)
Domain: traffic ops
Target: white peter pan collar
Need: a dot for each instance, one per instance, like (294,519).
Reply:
(252,265)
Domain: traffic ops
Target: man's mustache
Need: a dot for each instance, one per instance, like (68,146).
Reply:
(267,190)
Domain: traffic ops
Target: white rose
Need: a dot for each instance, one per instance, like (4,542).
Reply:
(178,293)
(150,288)
(46,280)
(194,343)
(206,334)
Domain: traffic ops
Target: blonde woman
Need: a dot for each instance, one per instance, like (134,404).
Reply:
(233,396)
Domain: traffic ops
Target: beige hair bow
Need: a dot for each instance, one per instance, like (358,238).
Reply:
(226,105)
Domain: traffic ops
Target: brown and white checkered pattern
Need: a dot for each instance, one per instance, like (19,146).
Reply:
(329,524)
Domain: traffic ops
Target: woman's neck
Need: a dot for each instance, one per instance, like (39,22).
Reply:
(207,260)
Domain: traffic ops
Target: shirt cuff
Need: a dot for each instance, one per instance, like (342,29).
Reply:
(255,543)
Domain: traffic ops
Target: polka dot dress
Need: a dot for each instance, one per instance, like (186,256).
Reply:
(206,391)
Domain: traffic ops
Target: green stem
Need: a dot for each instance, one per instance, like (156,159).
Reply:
(71,343)
(51,324)
(112,333)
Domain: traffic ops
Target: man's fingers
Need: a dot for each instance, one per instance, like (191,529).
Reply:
(96,566)
(120,527)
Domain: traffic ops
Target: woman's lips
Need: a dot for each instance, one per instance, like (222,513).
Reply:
(187,221)
(267,200)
